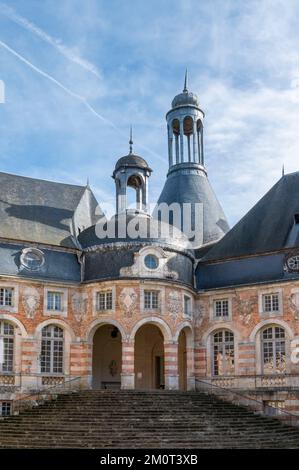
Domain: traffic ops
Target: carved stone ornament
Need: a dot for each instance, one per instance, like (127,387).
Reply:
(294,304)
(199,313)
(31,301)
(128,299)
(174,304)
(79,304)
(245,308)
(139,267)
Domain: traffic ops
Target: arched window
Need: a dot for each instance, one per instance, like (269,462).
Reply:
(7,335)
(273,350)
(52,350)
(223,353)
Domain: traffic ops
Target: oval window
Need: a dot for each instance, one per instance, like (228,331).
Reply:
(151,261)
(32,259)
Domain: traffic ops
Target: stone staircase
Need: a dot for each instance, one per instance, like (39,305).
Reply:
(143,419)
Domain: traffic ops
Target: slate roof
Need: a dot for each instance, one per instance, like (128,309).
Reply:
(184,185)
(37,210)
(266,227)
(131,161)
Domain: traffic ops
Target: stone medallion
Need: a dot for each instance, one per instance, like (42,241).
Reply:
(174,304)
(294,304)
(79,304)
(128,299)
(245,308)
(31,301)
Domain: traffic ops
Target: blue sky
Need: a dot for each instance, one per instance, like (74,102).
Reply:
(127,58)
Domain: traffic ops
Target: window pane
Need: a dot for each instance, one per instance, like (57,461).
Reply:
(274,350)
(52,349)
(223,353)
(6,296)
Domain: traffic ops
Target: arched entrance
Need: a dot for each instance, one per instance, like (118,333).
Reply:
(106,357)
(182,360)
(149,358)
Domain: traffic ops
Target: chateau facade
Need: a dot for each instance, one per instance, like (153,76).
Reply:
(155,310)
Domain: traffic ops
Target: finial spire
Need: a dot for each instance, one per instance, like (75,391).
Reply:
(186,81)
(87,182)
(131,140)
(283,170)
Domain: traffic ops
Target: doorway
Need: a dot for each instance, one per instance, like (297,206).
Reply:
(149,358)
(106,358)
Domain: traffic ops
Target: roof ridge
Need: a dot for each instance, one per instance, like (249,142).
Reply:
(43,180)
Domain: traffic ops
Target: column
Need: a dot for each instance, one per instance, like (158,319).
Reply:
(200,360)
(201,145)
(177,152)
(170,148)
(182,141)
(198,145)
(138,199)
(145,195)
(190,368)
(127,368)
(189,148)
(80,364)
(195,153)
(171,366)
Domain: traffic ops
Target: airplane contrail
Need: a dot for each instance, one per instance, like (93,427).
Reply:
(56,43)
(73,94)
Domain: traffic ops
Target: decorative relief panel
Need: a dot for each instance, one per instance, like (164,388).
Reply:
(128,299)
(294,304)
(244,308)
(79,305)
(199,312)
(174,304)
(30,301)
(139,267)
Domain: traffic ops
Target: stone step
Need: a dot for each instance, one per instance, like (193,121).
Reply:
(142,419)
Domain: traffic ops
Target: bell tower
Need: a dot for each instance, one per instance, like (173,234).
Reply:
(131,171)
(187,183)
(185,129)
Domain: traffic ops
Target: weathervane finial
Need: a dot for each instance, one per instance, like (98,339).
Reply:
(186,81)
(131,140)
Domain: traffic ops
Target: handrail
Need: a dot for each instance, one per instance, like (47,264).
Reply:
(280,411)
(43,392)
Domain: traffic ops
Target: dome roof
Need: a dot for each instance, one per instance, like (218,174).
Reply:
(152,232)
(130,161)
(186,98)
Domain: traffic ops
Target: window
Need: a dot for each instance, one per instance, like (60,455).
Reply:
(32,259)
(221,308)
(151,261)
(6,297)
(187,306)
(54,301)
(51,357)
(273,350)
(6,347)
(5,408)
(151,299)
(271,302)
(104,300)
(223,353)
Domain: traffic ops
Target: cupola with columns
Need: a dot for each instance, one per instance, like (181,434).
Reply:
(187,182)
(185,129)
(131,171)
